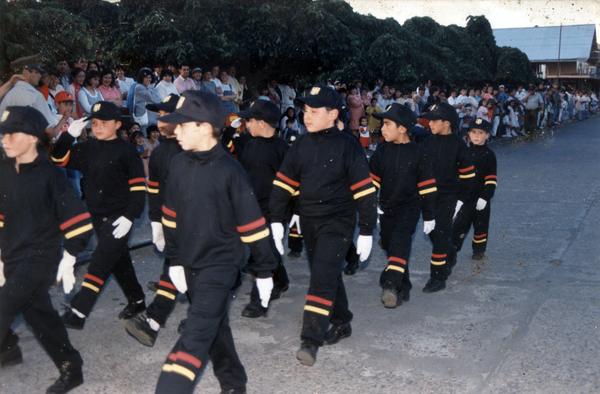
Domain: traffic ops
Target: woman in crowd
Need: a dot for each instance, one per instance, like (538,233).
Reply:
(289,114)
(228,92)
(166,86)
(77,78)
(357,109)
(109,90)
(89,95)
(144,93)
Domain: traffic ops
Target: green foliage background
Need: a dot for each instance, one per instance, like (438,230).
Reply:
(304,39)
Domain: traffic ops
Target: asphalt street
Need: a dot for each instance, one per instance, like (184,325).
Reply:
(523,320)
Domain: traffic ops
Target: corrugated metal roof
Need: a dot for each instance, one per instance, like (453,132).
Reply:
(540,44)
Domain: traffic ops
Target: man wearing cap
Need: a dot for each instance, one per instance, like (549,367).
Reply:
(209,215)
(38,208)
(23,93)
(197,77)
(183,82)
(502,98)
(329,170)
(454,173)
(145,327)
(403,173)
(115,194)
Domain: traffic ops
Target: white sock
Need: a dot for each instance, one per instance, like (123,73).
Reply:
(75,311)
(153,324)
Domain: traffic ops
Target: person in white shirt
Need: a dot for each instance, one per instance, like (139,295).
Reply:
(124,84)
(463,100)
(166,86)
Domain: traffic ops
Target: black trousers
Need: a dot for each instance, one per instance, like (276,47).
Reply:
(206,333)
(441,236)
(110,257)
(480,220)
(396,239)
(327,244)
(163,303)
(26,292)
(530,125)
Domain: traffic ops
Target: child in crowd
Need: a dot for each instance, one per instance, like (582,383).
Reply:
(289,134)
(476,211)
(374,124)
(137,138)
(465,122)
(64,105)
(363,132)
(151,141)
(482,111)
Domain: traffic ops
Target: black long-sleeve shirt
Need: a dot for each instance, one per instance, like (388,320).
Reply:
(330,171)
(405,178)
(486,179)
(113,172)
(38,206)
(158,171)
(452,163)
(211,212)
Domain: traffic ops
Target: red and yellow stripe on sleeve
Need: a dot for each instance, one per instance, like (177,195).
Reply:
(363,188)
(376,180)
(286,183)
(152,187)
(63,160)
(169,217)
(466,173)
(137,185)
(1,221)
(254,231)
(427,187)
(77,225)
(491,180)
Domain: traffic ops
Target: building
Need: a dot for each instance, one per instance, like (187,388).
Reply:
(575,63)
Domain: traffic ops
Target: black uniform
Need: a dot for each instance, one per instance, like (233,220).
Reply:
(38,206)
(209,215)
(330,171)
(454,173)
(158,170)
(405,177)
(114,187)
(486,180)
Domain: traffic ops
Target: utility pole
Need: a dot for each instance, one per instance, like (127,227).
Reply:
(559,42)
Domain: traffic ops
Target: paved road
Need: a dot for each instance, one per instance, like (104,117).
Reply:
(525,319)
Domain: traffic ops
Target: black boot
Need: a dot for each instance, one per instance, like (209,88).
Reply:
(71,320)
(389,295)
(351,268)
(132,309)
(12,356)
(477,255)
(434,285)
(254,309)
(307,354)
(66,382)
(336,333)
(139,328)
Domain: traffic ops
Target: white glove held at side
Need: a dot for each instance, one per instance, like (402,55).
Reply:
(459,204)
(277,230)
(265,286)
(428,226)
(77,127)
(481,203)
(158,235)
(2,278)
(66,272)
(236,123)
(364,243)
(177,275)
(122,227)
(295,220)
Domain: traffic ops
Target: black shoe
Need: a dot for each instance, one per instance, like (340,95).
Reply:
(351,268)
(277,290)
(389,295)
(294,254)
(307,354)
(181,326)
(249,270)
(254,309)
(152,286)
(71,320)
(477,255)
(66,382)
(434,285)
(139,328)
(132,309)
(336,333)
(12,356)
(234,391)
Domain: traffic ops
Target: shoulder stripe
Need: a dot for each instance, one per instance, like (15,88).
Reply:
(252,226)
(288,180)
(72,221)
(466,169)
(361,183)
(425,183)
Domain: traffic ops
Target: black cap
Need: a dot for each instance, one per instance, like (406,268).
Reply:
(168,104)
(26,120)
(401,114)
(442,111)
(34,67)
(322,96)
(481,124)
(105,110)
(262,110)
(198,106)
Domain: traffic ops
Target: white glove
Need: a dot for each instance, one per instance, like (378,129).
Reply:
(66,272)
(379,210)
(77,127)
(481,203)
(2,278)
(459,204)
(265,286)
(364,243)
(236,123)
(123,225)
(295,220)
(277,230)
(177,275)
(158,235)
(428,226)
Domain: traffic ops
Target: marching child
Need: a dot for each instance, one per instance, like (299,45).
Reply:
(115,191)
(400,168)
(476,211)
(454,174)
(38,207)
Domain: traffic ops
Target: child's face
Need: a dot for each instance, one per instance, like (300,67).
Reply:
(154,135)
(166,129)
(134,128)
(317,119)
(373,103)
(105,130)
(124,134)
(18,144)
(439,126)
(289,125)
(363,122)
(392,132)
(468,112)
(139,140)
(478,136)
(193,137)
(65,107)
(463,92)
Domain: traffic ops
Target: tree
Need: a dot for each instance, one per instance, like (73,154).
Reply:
(514,67)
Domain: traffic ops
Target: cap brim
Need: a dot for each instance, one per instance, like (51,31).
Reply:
(176,118)
(431,116)
(101,118)
(160,107)
(312,101)
(246,114)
